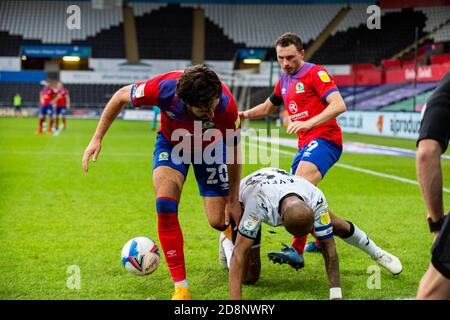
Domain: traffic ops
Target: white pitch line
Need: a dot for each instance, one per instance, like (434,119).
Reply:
(285,152)
(346,166)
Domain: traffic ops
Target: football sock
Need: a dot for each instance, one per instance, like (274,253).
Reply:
(50,126)
(182,283)
(317,243)
(298,243)
(56,123)
(227,232)
(41,123)
(171,237)
(228,247)
(64,122)
(358,238)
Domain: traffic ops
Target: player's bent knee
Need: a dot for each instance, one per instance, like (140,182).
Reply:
(218,224)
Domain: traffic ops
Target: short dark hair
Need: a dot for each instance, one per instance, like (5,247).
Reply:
(285,40)
(198,86)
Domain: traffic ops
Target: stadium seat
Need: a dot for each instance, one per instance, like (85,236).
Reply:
(46,20)
(247,23)
(436,16)
(374,45)
(385,95)
(408,104)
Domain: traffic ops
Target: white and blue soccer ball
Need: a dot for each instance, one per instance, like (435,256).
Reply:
(140,256)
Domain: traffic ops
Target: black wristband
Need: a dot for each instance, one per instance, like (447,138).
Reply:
(436,226)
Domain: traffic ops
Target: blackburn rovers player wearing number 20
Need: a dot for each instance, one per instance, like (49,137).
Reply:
(313,102)
(189,100)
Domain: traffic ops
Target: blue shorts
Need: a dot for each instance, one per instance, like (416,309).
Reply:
(46,110)
(61,110)
(212,179)
(323,153)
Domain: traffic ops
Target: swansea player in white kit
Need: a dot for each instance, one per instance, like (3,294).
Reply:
(277,198)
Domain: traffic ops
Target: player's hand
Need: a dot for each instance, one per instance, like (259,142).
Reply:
(233,210)
(297,126)
(242,114)
(93,148)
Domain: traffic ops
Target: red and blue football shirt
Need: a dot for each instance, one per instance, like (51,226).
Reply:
(304,94)
(160,91)
(62,100)
(48,94)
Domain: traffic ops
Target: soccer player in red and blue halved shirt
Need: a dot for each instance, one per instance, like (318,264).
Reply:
(46,98)
(194,104)
(313,102)
(62,104)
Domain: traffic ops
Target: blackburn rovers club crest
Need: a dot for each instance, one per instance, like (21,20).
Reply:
(293,107)
(299,87)
(163,156)
(208,124)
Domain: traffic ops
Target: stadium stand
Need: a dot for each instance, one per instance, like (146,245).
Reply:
(349,91)
(106,44)
(442,34)
(91,95)
(82,95)
(408,104)
(164,31)
(436,16)
(45,22)
(397,33)
(369,93)
(10,45)
(356,17)
(141,8)
(248,23)
(217,45)
(101,29)
(377,98)
(28,91)
(170,36)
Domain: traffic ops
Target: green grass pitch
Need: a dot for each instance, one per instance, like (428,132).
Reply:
(53,216)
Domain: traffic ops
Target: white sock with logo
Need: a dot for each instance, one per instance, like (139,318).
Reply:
(359,239)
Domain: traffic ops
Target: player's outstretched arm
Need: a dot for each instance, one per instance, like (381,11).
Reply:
(260,111)
(332,266)
(110,113)
(238,262)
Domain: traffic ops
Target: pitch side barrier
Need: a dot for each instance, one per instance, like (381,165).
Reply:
(387,124)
